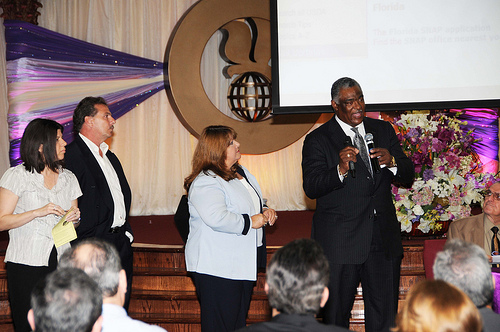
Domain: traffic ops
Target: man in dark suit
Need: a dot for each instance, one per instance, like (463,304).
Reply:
(355,219)
(296,280)
(105,203)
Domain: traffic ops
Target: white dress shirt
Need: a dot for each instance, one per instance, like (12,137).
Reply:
(115,318)
(112,179)
(361,130)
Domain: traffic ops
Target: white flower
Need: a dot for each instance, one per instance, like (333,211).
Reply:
(406,225)
(445,217)
(454,209)
(424,226)
(417,209)
(418,184)
(455,179)
(440,186)
(407,203)
(472,196)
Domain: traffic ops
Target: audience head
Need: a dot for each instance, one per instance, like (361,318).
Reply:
(436,306)
(38,145)
(297,278)
(66,300)
(86,107)
(466,266)
(342,83)
(101,261)
(211,153)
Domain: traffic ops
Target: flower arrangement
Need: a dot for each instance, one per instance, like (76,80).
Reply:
(447,171)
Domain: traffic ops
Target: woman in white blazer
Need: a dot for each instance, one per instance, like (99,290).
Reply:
(225,230)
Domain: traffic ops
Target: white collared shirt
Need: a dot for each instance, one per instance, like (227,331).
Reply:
(112,180)
(347,130)
(361,129)
(256,203)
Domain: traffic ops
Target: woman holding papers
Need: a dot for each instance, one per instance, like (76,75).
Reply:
(33,198)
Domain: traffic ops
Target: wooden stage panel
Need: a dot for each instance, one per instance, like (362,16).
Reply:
(161,229)
(163,292)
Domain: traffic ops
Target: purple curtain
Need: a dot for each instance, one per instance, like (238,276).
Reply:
(38,58)
(484,121)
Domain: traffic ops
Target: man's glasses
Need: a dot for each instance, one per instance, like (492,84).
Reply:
(489,193)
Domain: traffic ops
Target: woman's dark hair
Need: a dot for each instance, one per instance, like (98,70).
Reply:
(40,132)
(210,154)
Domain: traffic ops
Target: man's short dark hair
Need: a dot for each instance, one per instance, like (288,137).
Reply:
(102,263)
(466,266)
(342,83)
(297,276)
(66,300)
(85,108)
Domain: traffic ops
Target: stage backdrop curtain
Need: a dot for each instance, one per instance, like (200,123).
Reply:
(4,107)
(48,73)
(153,146)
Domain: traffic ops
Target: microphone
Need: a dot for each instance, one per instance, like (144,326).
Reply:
(369,142)
(348,142)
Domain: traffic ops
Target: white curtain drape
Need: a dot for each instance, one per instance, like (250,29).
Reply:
(4,107)
(152,144)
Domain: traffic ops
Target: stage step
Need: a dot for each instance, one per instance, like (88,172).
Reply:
(164,294)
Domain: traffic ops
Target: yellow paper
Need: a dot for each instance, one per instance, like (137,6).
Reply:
(64,231)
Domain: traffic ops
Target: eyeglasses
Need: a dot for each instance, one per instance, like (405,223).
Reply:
(489,193)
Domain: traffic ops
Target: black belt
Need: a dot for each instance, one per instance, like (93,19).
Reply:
(115,229)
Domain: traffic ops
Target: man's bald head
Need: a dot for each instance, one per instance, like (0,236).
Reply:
(99,259)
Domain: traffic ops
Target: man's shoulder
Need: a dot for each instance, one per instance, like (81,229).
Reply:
(299,323)
(323,129)
(373,121)
(467,221)
(74,148)
(491,320)
(115,318)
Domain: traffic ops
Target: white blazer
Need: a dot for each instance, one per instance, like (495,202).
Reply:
(216,245)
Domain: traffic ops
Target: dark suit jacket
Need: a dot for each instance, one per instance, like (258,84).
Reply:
(96,203)
(491,320)
(292,323)
(343,221)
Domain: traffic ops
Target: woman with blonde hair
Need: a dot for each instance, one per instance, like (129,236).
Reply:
(437,306)
(226,240)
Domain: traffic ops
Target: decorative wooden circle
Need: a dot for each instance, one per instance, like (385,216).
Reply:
(185,88)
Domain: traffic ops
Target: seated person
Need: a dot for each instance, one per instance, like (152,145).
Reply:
(466,266)
(296,285)
(435,305)
(100,260)
(66,300)
(480,229)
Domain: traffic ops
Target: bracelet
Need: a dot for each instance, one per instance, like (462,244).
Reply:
(393,162)
(343,175)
